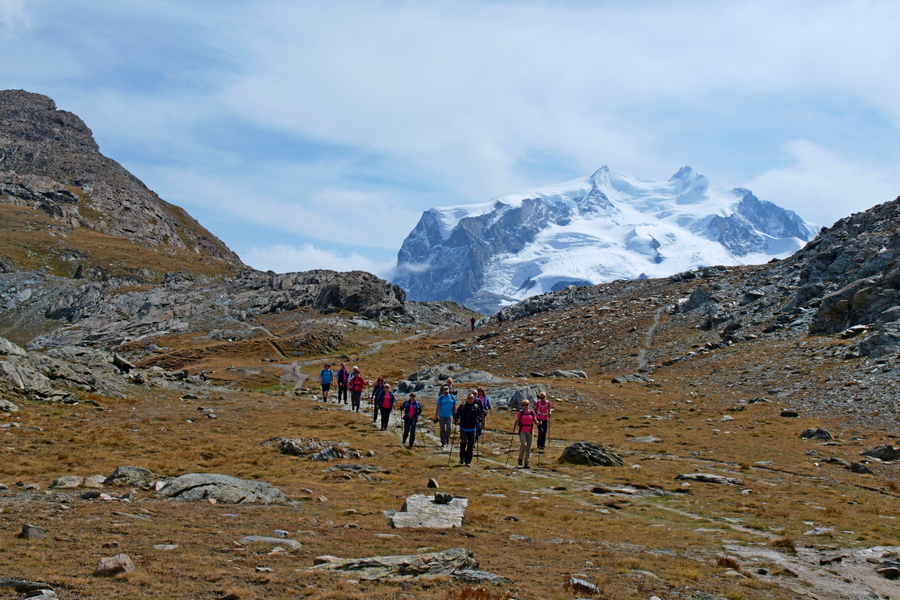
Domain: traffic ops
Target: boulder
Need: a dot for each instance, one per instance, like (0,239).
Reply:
(594,455)
(426,512)
(33,532)
(131,476)
(7,406)
(403,567)
(633,378)
(886,452)
(195,487)
(816,434)
(113,565)
(7,348)
(67,482)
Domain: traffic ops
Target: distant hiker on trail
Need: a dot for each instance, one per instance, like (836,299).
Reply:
(325,378)
(443,413)
(472,320)
(499,317)
(343,376)
(467,416)
(542,410)
(525,421)
(377,393)
(410,410)
(386,405)
(356,384)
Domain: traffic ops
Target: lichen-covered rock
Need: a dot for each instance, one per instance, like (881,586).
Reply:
(131,476)
(402,567)
(195,487)
(586,453)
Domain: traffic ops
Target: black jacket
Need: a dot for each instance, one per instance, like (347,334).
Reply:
(467,415)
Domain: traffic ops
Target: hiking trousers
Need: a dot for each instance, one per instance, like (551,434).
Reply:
(542,434)
(466,445)
(446,424)
(354,400)
(525,447)
(342,393)
(385,418)
(409,430)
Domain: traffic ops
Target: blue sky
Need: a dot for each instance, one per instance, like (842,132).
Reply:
(314,134)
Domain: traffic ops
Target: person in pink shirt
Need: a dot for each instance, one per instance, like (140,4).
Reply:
(542,410)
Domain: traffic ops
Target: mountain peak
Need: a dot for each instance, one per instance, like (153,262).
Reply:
(683,174)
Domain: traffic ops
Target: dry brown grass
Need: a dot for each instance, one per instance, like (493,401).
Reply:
(574,531)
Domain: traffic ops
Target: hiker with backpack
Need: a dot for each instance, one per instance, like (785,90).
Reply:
(343,377)
(482,398)
(443,413)
(325,378)
(386,405)
(377,393)
(357,384)
(467,416)
(525,422)
(411,409)
(542,410)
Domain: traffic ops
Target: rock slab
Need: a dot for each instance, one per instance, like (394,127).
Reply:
(422,512)
(196,487)
(402,567)
(594,455)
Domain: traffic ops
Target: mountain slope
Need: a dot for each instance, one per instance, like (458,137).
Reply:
(51,166)
(596,229)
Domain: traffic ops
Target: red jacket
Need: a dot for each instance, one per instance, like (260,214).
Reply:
(357,383)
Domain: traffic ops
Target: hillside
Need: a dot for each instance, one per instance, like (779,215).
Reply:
(704,383)
(68,209)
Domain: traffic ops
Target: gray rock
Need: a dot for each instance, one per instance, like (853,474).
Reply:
(67,482)
(131,476)
(709,478)
(272,541)
(195,487)
(33,532)
(861,469)
(574,374)
(422,512)
(581,586)
(442,498)
(816,434)
(586,453)
(404,567)
(7,406)
(886,453)
(7,348)
(632,378)
(476,577)
(113,565)
(432,483)
(645,439)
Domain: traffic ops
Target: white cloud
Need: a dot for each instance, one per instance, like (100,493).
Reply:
(822,187)
(286,259)
(13,15)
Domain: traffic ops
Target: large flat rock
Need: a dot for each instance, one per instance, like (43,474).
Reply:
(422,512)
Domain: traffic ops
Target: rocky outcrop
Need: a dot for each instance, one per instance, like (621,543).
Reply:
(403,567)
(594,455)
(441,511)
(49,161)
(195,487)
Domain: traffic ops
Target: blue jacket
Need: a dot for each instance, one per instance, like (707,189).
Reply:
(446,404)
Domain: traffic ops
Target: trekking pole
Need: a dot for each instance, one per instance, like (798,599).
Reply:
(509,450)
(452,433)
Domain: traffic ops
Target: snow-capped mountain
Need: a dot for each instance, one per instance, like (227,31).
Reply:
(591,230)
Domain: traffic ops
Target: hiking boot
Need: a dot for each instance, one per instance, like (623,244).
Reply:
(527,466)
(520,462)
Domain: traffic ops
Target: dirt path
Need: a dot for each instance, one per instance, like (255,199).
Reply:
(648,337)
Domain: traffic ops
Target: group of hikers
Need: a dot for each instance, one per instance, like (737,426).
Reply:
(469,416)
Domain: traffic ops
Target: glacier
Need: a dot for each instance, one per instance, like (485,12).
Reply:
(591,230)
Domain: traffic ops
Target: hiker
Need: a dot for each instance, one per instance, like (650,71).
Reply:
(450,388)
(343,377)
(386,405)
(377,393)
(542,410)
(467,416)
(325,378)
(478,401)
(410,410)
(443,413)
(472,320)
(481,396)
(499,317)
(357,384)
(525,424)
